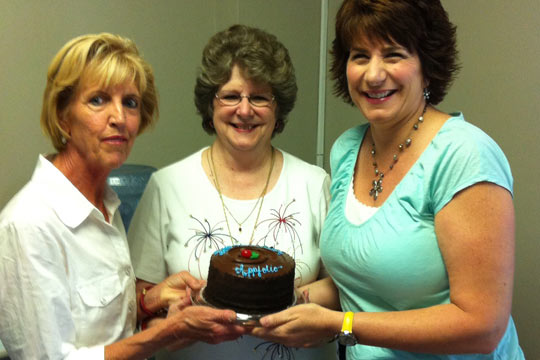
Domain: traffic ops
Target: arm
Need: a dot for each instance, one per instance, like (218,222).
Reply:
(322,292)
(192,323)
(37,319)
(476,237)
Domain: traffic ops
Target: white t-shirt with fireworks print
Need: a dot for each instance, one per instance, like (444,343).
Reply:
(180,222)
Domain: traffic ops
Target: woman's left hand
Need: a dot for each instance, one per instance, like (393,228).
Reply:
(306,325)
(173,309)
(169,291)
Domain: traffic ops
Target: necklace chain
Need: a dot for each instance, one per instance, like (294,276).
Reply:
(377,187)
(240,223)
(260,200)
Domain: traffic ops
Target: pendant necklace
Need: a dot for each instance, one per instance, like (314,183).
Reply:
(259,201)
(377,187)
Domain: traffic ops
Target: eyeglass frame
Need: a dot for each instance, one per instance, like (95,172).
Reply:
(220,100)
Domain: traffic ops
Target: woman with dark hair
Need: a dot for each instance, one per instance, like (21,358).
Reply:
(419,237)
(240,190)
(68,287)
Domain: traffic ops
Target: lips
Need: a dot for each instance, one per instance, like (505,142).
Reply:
(244,127)
(116,139)
(377,95)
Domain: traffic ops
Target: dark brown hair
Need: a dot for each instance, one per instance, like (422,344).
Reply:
(421,26)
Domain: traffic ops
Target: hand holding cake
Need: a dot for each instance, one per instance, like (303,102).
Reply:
(306,325)
(167,292)
(202,323)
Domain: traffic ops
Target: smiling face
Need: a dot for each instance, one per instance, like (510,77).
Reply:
(103,125)
(385,81)
(244,127)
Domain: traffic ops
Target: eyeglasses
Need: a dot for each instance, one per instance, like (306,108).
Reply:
(235,99)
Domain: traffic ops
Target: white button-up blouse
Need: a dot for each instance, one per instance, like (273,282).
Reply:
(68,288)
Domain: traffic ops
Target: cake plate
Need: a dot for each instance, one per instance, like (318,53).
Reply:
(243,319)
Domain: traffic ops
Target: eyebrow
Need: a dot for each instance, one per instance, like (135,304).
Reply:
(385,49)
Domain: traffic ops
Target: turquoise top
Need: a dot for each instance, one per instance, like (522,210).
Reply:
(392,261)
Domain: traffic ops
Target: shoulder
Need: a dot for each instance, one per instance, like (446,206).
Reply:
(352,136)
(463,142)
(349,140)
(346,146)
(458,133)
(296,167)
(27,207)
(180,171)
(28,221)
(462,155)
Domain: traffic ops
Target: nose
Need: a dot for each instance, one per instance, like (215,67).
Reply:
(375,72)
(117,116)
(244,109)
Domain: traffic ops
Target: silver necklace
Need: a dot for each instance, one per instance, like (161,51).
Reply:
(377,187)
(260,200)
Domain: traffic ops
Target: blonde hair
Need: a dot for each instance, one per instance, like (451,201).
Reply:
(107,60)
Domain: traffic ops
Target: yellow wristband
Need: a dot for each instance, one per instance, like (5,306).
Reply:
(347,322)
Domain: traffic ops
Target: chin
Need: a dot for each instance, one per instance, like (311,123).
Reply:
(115,163)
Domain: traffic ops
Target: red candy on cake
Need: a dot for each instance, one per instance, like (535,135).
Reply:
(246,253)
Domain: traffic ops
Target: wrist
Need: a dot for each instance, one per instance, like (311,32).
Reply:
(346,336)
(148,308)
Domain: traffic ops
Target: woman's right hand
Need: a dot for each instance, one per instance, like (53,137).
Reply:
(202,323)
(305,325)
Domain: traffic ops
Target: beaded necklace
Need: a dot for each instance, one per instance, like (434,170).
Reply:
(377,187)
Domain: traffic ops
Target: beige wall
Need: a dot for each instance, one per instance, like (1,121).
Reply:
(171,34)
(498,89)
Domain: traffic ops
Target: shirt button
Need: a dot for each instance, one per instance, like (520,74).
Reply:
(103,301)
(128,272)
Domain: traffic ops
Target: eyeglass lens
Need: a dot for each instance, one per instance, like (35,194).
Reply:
(235,99)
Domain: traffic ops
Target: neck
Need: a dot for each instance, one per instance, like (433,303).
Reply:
(386,138)
(251,161)
(235,179)
(88,181)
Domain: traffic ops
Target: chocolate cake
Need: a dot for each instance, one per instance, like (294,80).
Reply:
(250,279)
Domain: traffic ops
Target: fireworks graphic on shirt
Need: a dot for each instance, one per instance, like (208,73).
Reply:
(281,223)
(276,351)
(208,238)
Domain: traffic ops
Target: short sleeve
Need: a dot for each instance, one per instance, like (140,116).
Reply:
(145,235)
(466,156)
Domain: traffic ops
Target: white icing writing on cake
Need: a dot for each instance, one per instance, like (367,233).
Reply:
(256,271)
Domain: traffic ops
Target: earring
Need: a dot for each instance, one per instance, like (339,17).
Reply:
(426,94)
(63,140)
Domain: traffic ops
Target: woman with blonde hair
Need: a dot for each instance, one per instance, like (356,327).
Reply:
(68,289)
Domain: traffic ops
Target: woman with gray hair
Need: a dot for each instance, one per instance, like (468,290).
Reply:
(240,190)
(68,287)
